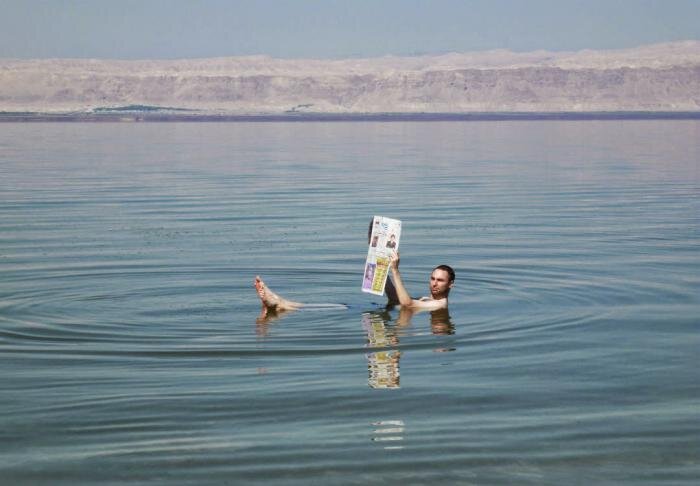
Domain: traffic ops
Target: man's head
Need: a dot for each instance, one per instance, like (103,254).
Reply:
(442,279)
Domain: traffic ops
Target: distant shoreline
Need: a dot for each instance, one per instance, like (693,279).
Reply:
(343,117)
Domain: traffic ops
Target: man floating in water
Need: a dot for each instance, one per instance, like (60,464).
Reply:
(441,281)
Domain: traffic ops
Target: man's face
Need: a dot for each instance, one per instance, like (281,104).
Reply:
(440,284)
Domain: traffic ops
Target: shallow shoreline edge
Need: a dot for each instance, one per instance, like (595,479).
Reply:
(344,117)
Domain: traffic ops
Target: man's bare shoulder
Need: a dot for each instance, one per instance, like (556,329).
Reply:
(428,303)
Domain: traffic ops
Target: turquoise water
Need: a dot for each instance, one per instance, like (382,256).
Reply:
(131,349)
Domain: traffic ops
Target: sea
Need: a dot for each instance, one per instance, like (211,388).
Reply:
(133,349)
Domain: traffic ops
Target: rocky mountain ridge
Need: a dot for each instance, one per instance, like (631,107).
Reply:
(661,77)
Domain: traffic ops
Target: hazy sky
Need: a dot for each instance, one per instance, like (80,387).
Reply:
(143,29)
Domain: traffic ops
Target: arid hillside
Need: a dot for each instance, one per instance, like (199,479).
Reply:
(663,77)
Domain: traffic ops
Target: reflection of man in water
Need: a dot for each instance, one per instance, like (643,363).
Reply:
(441,281)
(383,360)
(392,242)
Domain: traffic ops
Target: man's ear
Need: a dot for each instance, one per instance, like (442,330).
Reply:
(452,284)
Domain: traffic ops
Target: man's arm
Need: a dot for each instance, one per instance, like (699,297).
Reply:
(402,295)
(390,290)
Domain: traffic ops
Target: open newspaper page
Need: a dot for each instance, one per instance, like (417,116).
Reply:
(383,241)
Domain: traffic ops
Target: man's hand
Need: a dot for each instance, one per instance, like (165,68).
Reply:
(395,258)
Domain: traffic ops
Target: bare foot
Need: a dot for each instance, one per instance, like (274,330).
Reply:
(267,297)
(271,300)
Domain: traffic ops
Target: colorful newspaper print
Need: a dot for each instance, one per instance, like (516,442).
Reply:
(382,242)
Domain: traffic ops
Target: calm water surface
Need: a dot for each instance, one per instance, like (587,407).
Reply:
(131,349)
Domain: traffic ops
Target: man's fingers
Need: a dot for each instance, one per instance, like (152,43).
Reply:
(394,258)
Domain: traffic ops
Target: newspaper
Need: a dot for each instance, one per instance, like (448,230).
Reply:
(382,242)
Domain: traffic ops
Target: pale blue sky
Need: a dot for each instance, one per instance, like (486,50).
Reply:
(146,29)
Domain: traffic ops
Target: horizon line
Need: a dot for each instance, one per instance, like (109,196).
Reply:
(361,57)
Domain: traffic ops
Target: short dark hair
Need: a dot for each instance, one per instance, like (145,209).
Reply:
(447,269)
